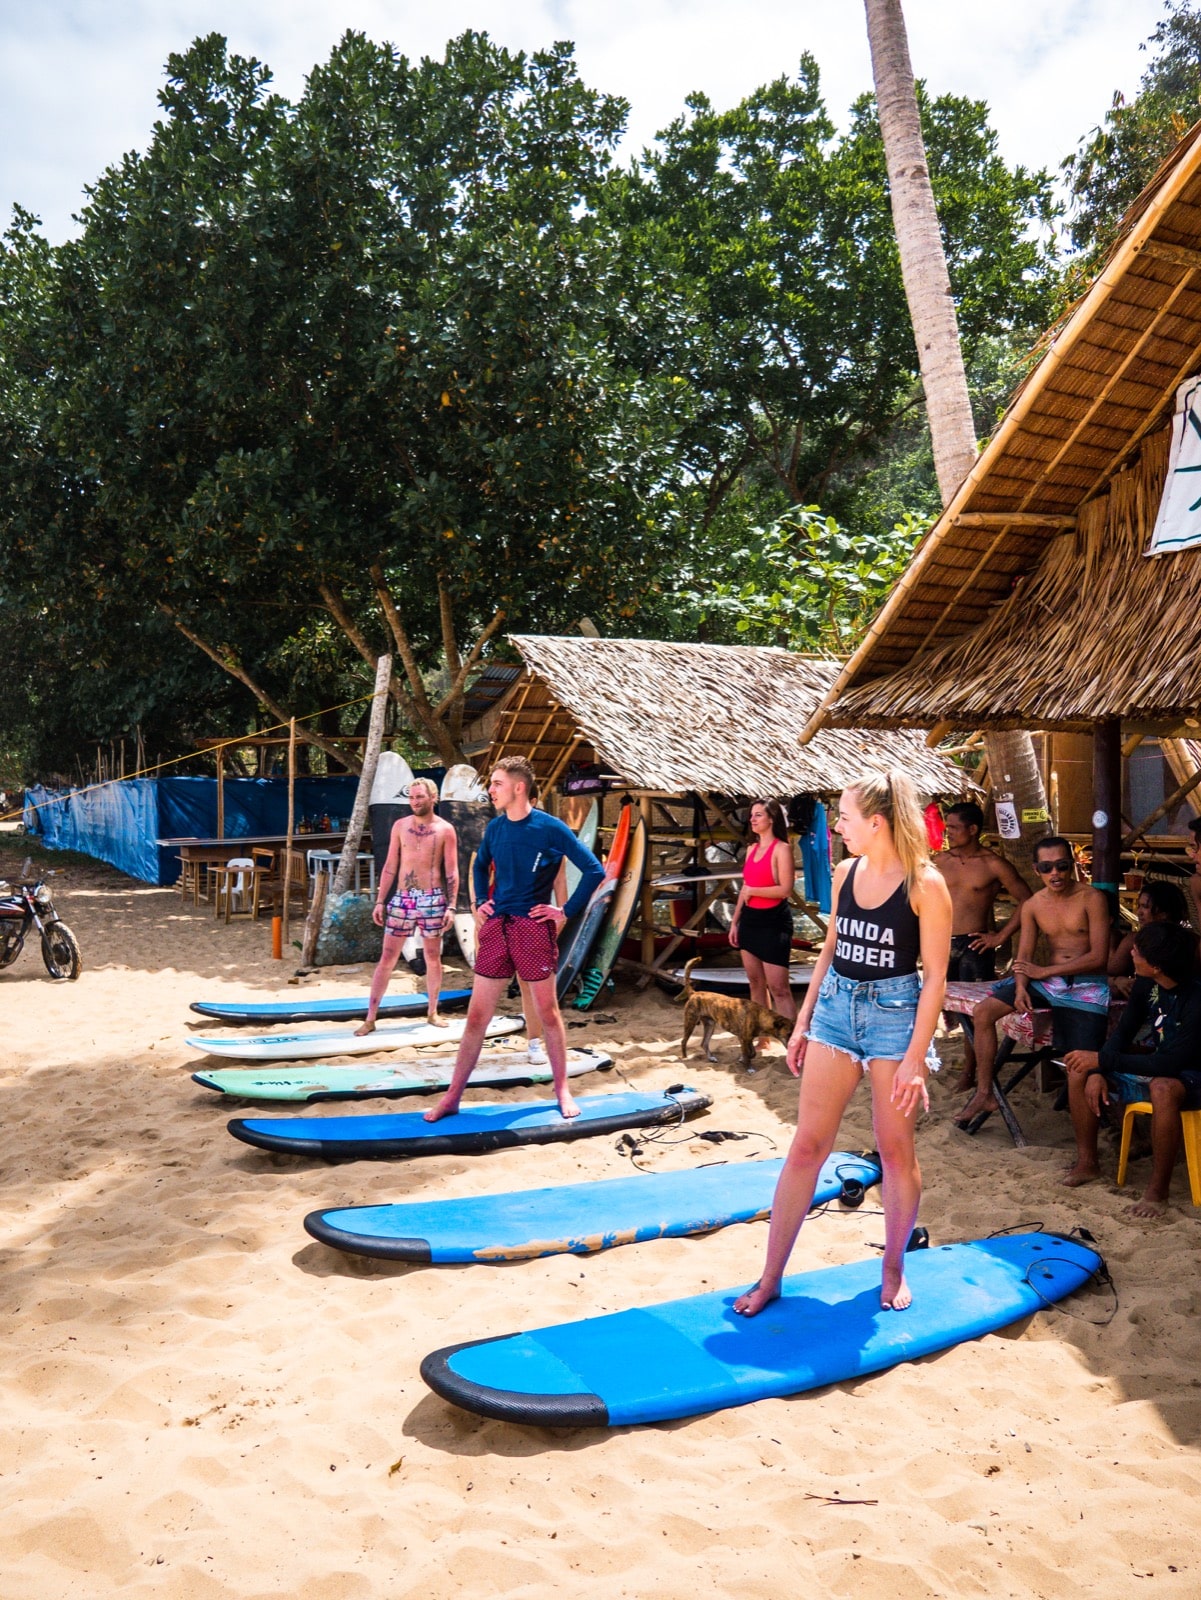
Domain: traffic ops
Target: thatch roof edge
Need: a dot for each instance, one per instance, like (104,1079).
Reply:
(1138,225)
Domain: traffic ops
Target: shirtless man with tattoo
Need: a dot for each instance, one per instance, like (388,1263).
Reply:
(1075,918)
(976,877)
(423,864)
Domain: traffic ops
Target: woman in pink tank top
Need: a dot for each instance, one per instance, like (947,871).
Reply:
(761,928)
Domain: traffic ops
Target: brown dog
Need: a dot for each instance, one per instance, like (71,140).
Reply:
(743,1018)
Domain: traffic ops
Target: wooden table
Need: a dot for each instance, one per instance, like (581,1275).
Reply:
(206,853)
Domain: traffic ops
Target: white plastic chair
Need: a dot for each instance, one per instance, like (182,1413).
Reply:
(237,880)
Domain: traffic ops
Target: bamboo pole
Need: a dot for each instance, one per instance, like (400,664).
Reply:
(220,791)
(358,815)
(291,824)
(1066,341)
(647,896)
(1181,792)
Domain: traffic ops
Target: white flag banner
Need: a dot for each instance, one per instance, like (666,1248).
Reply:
(1178,525)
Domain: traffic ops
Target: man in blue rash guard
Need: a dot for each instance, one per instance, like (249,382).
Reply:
(518,927)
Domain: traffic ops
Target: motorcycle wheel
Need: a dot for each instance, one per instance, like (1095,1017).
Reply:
(61,952)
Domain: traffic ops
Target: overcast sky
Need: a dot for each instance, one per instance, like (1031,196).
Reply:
(78,78)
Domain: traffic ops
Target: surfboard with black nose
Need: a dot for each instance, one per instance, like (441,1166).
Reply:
(573,1218)
(470,1131)
(682,1357)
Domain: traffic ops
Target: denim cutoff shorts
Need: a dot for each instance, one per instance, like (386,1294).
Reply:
(869,1021)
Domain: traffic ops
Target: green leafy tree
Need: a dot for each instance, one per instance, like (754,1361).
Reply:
(1110,168)
(802,582)
(790,324)
(347,358)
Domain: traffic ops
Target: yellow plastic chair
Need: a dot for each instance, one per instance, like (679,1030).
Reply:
(1190,1124)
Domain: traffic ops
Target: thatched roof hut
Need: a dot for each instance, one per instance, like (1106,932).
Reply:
(1031,603)
(694,718)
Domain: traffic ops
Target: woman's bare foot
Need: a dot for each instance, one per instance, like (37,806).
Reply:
(978,1104)
(894,1291)
(1080,1172)
(967,1081)
(446,1107)
(367,1027)
(753,1301)
(567,1105)
(1151,1206)
(436,1020)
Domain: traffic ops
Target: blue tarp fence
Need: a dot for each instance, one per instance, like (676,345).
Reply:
(122,822)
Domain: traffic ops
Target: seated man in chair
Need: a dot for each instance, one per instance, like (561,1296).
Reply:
(1167,1000)
(1074,917)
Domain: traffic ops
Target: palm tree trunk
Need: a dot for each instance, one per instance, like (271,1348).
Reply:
(919,242)
(1012,764)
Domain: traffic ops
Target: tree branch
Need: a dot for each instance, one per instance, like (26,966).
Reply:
(450,648)
(404,648)
(338,610)
(226,661)
(460,679)
(423,715)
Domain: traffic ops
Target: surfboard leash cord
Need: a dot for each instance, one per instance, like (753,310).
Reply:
(632,1147)
(1101,1274)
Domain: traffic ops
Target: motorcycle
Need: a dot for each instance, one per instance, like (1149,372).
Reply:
(30,905)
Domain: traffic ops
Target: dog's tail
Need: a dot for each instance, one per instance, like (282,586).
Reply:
(686,994)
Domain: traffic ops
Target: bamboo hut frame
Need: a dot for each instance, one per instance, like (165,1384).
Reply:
(690,731)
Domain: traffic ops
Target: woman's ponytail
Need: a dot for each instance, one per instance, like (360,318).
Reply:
(892,795)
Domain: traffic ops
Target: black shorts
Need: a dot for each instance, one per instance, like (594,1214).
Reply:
(766,932)
(967,965)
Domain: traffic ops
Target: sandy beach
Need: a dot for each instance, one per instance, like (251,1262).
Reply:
(199,1401)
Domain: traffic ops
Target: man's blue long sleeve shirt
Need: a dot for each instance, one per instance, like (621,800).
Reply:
(526,856)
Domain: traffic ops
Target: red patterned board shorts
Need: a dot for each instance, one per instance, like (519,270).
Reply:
(517,947)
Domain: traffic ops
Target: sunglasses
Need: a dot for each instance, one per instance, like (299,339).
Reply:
(1045,867)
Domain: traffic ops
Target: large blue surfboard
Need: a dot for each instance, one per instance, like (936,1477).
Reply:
(350,1009)
(470,1131)
(688,1356)
(578,1217)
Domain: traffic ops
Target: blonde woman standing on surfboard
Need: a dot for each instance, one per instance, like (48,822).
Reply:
(867,1014)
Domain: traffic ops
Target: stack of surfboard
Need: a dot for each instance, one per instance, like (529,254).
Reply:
(589,947)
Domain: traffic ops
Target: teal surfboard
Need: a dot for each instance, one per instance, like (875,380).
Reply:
(579,1218)
(375,1081)
(470,1131)
(683,1357)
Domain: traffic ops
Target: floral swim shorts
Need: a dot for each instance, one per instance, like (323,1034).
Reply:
(420,911)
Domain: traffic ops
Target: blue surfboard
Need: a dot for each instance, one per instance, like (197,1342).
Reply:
(351,1009)
(684,1357)
(470,1131)
(578,1217)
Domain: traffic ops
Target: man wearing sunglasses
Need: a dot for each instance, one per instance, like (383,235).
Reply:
(1075,919)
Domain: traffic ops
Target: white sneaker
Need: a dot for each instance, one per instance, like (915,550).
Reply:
(536,1053)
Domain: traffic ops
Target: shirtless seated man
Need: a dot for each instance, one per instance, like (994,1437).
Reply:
(423,863)
(1075,918)
(976,877)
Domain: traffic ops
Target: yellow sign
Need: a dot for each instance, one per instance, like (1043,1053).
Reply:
(1036,814)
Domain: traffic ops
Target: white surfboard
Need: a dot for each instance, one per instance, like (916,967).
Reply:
(341,1041)
(467,935)
(462,782)
(393,775)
